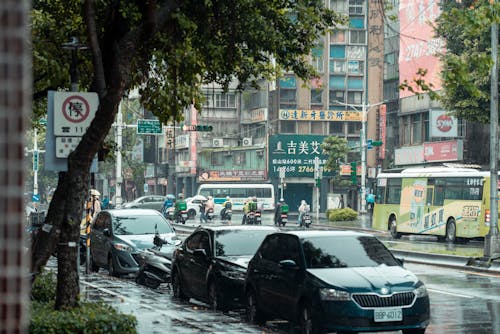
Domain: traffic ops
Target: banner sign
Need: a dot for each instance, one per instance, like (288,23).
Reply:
(296,154)
(231,175)
(319,115)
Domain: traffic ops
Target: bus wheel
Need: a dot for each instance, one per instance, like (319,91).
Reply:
(393,228)
(451,231)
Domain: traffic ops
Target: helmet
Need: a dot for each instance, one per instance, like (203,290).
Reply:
(210,197)
(254,198)
(181,195)
(228,198)
(282,200)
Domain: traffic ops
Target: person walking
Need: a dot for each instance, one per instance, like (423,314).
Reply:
(203,216)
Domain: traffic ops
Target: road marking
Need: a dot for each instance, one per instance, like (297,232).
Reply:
(451,293)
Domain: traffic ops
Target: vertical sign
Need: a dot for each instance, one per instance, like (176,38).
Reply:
(383,128)
(192,141)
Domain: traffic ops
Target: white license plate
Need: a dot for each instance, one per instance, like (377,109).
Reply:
(184,215)
(387,314)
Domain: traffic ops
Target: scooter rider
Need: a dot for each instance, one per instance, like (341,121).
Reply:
(302,209)
(246,209)
(227,205)
(277,212)
(180,204)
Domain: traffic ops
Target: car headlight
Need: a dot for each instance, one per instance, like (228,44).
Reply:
(421,291)
(233,274)
(334,294)
(123,247)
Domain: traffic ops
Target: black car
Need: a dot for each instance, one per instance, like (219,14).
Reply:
(327,281)
(117,238)
(211,264)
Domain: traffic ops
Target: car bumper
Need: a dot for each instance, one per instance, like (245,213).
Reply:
(338,316)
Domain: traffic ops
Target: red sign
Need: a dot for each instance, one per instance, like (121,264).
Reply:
(444,123)
(382,126)
(443,151)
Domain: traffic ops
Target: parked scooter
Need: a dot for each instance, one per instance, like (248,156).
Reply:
(156,264)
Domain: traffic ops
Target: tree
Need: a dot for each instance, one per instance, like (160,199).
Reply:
(337,149)
(168,49)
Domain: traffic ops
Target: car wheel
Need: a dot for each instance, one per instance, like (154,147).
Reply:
(111,266)
(394,229)
(191,213)
(176,286)
(306,323)
(253,314)
(451,231)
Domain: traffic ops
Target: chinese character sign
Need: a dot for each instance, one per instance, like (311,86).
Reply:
(296,154)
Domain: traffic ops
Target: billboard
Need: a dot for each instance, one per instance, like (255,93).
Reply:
(442,125)
(418,46)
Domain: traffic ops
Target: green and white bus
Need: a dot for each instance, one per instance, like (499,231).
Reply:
(239,192)
(450,203)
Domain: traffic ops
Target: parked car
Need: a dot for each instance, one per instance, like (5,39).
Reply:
(117,238)
(211,263)
(339,281)
(146,202)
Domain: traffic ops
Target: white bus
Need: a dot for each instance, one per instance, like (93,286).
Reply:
(239,192)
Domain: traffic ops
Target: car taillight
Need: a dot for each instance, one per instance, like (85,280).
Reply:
(487,216)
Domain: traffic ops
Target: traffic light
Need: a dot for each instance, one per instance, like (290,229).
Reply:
(354,168)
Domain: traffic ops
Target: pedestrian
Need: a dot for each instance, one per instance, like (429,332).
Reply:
(203,217)
(105,202)
(370,201)
(93,205)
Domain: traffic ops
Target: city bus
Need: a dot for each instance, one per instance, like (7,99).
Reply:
(239,192)
(450,203)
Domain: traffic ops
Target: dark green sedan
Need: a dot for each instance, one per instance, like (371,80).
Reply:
(325,281)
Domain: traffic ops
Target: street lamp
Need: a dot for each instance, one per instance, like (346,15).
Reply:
(365,108)
(74,45)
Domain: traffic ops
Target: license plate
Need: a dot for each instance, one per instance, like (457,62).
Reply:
(184,215)
(388,314)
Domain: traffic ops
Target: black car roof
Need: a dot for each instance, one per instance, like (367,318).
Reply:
(217,227)
(323,233)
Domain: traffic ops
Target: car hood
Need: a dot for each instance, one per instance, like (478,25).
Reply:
(144,241)
(240,260)
(360,279)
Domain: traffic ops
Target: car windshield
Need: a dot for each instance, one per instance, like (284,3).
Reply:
(346,251)
(140,224)
(238,242)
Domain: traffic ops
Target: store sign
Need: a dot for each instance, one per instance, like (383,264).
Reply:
(296,154)
(442,124)
(231,175)
(319,115)
(443,151)
(254,116)
(409,155)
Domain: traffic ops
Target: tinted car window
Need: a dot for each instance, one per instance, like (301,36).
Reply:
(193,241)
(140,224)
(231,243)
(340,252)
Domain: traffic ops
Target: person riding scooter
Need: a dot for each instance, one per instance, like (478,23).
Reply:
(281,213)
(180,208)
(227,209)
(209,209)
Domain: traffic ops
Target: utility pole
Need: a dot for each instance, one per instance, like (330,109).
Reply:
(118,166)
(491,240)
(363,159)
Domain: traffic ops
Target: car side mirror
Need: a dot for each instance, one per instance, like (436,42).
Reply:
(200,252)
(288,264)
(401,261)
(106,232)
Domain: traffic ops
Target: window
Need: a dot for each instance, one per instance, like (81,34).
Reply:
(354,128)
(316,96)
(217,159)
(354,97)
(356,6)
(337,51)
(338,5)
(417,128)
(393,191)
(317,63)
(287,127)
(225,101)
(336,128)
(357,36)
(337,37)
(239,158)
(337,82)
(355,67)
(288,96)
(317,128)
(336,95)
(357,22)
(355,83)
(337,66)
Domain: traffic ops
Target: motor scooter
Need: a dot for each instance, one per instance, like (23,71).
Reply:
(156,264)
(181,217)
(226,215)
(306,218)
(210,215)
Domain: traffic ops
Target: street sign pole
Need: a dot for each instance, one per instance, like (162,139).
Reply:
(316,177)
(282,178)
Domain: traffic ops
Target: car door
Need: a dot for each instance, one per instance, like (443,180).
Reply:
(288,280)
(185,262)
(200,264)
(98,239)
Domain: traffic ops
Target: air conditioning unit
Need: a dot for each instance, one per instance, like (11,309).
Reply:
(217,142)
(247,141)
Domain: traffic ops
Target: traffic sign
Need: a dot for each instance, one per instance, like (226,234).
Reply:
(149,127)
(35,198)
(73,112)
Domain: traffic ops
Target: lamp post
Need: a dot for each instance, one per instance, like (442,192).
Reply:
(365,108)
(74,45)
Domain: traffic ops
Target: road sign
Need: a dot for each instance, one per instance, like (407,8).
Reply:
(149,127)
(35,198)
(73,112)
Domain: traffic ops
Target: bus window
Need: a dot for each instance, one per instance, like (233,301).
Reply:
(380,195)
(238,192)
(393,191)
(439,192)
(430,193)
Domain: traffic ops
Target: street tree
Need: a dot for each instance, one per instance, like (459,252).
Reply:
(337,149)
(167,49)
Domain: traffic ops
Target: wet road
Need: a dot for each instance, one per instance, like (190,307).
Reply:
(461,302)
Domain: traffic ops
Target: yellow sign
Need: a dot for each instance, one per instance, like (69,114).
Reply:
(319,115)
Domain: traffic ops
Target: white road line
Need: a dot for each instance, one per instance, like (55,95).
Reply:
(451,293)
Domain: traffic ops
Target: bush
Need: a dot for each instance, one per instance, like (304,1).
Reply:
(92,317)
(89,317)
(345,214)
